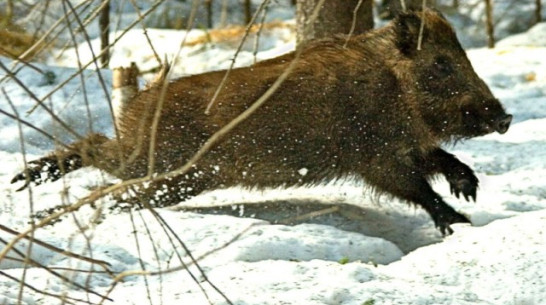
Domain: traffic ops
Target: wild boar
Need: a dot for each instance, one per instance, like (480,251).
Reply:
(375,108)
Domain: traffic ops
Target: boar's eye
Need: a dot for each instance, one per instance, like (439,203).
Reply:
(443,66)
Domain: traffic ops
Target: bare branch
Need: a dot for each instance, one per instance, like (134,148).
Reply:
(40,102)
(257,37)
(421,27)
(64,298)
(145,31)
(67,253)
(104,27)
(226,75)
(159,108)
(29,261)
(353,25)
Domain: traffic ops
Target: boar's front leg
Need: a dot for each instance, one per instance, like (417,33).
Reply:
(410,184)
(49,168)
(441,213)
(60,162)
(460,176)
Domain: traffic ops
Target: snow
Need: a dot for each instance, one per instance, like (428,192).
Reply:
(401,258)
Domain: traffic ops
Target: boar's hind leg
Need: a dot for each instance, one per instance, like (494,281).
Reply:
(167,192)
(461,178)
(413,187)
(58,163)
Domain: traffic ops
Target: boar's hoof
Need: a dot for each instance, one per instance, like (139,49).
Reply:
(467,186)
(38,171)
(443,219)
(462,179)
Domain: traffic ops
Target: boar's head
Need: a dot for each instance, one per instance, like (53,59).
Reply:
(450,97)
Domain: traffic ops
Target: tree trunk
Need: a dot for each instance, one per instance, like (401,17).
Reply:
(208,7)
(248,11)
(335,17)
(455,4)
(9,12)
(489,23)
(104,27)
(538,11)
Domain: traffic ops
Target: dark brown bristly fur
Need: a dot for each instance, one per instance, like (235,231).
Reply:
(376,109)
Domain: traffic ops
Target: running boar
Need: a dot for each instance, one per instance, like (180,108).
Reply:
(376,108)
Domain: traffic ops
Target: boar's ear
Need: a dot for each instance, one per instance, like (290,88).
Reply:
(407,32)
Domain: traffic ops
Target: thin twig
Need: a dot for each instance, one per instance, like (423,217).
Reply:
(214,138)
(211,141)
(52,248)
(139,254)
(102,83)
(43,46)
(103,52)
(197,156)
(83,67)
(39,42)
(74,270)
(29,261)
(422,26)
(129,27)
(120,277)
(82,82)
(257,37)
(63,297)
(170,235)
(185,265)
(403,5)
(239,47)
(42,19)
(26,123)
(145,31)
(163,93)
(81,230)
(188,252)
(353,24)
(40,102)
(156,254)
(89,18)
(31,200)
(16,57)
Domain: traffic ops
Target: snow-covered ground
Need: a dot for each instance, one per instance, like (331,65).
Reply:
(501,259)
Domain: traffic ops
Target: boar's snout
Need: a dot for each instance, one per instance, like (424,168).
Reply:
(484,117)
(501,124)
